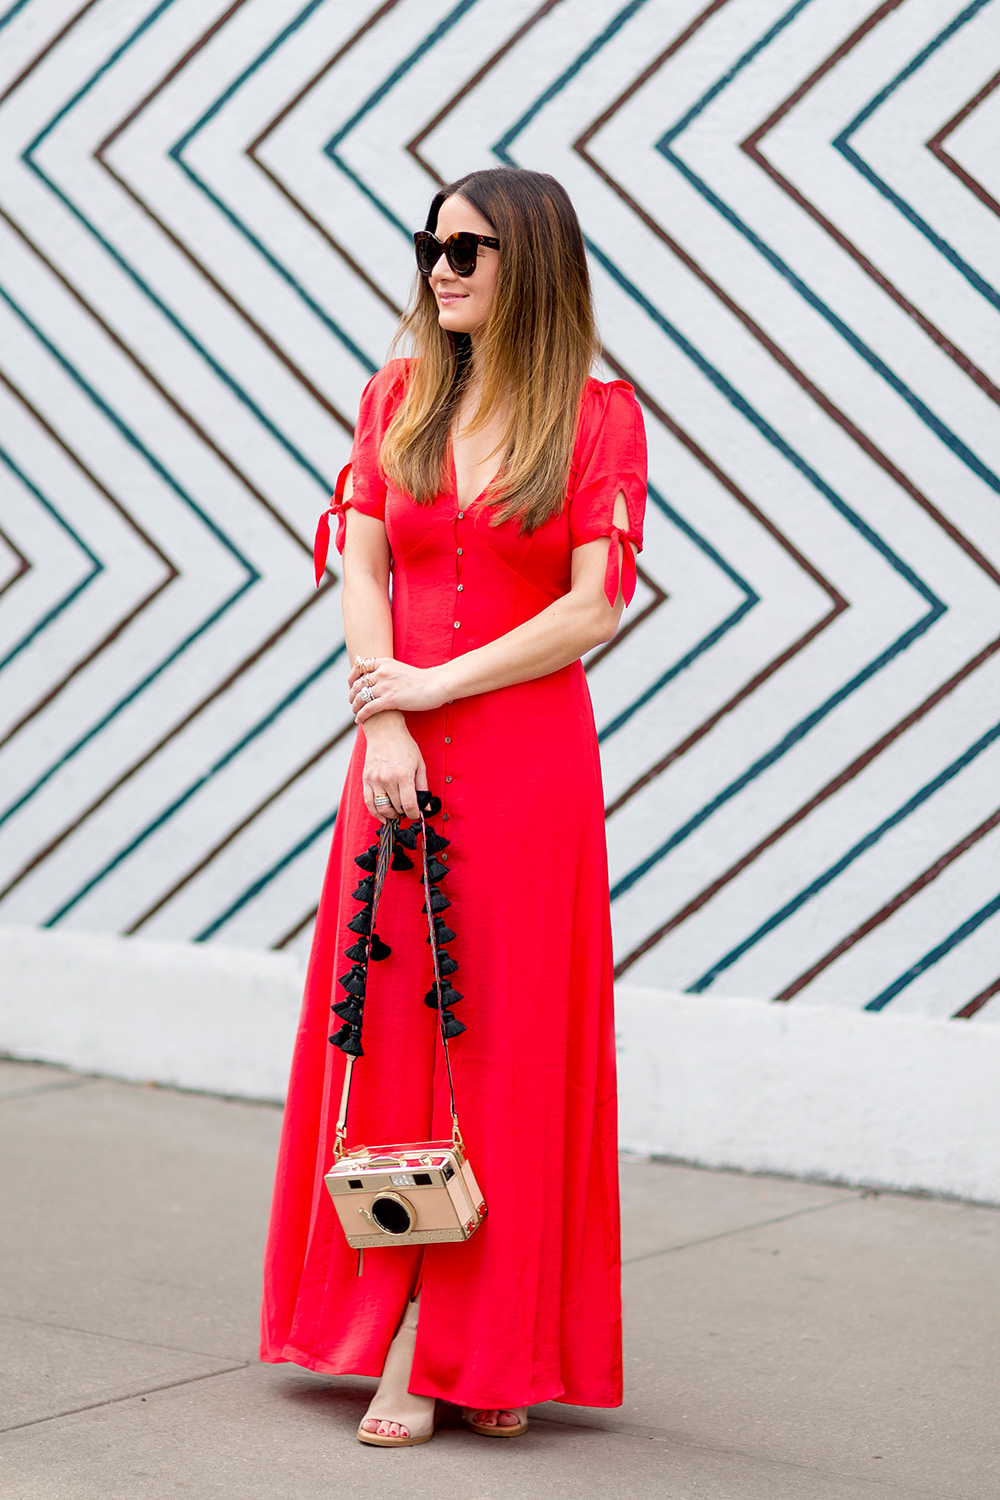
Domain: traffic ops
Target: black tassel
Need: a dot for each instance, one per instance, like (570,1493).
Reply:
(436,870)
(361,922)
(448,997)
(379,950)
(365,891)
(357,952)
(446,964)
(442,933)
(400,861)
(429,805)
(452,1026)
(436,842)
(354,982)
(367,860)
(407,836)
(439,901)
(348,1042)
(348,1011)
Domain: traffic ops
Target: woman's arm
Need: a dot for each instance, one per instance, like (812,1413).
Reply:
(561,634)
(394,766)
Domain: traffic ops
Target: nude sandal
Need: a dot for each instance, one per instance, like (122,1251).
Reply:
(392,1399)
(494,1429)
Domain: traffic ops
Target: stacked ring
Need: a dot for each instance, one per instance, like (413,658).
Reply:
(367,696)
(381,801)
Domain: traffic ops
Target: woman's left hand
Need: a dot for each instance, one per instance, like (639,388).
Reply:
(382,683)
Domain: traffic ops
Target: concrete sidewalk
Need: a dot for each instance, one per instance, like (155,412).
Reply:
(783,1339)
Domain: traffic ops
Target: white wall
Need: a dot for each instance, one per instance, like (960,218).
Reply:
(205,241)
(890,1101)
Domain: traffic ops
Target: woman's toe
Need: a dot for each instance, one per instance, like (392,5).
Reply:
(506,1419)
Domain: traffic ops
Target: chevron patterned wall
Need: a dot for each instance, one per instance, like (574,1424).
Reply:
(792,214)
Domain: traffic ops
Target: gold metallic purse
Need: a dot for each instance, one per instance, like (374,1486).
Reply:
(420,1193)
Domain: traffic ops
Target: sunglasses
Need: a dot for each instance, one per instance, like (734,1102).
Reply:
(460,250)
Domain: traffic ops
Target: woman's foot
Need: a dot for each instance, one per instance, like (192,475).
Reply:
(396,1417)
(496,1421)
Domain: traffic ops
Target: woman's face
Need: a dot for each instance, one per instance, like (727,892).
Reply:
(464,301)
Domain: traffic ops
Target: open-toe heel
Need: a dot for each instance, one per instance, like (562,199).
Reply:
(494,1429)
(393,1402)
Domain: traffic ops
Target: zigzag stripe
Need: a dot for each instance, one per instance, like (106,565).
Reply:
(96,566)
(252,576)
(936,144)
(751,145)
(842,143)
(229,845)
(858,344)
(581,145)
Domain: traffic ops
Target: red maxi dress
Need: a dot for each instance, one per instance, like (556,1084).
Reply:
(528,1309)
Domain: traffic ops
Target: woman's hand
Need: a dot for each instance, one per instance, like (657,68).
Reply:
(381,683)
(394,768)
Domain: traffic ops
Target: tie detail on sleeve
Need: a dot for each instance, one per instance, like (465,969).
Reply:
(321,545)
(627,576)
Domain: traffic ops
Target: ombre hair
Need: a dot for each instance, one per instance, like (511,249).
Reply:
(534,354)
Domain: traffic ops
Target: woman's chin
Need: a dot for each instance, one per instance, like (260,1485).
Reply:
(451,318)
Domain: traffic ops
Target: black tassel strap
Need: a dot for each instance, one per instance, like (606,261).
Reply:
(376,861)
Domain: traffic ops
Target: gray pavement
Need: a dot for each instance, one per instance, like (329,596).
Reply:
(784,1340)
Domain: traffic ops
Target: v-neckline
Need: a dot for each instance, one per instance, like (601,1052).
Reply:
(465,504)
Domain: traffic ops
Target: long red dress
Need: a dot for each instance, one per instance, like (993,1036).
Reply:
(528,1309)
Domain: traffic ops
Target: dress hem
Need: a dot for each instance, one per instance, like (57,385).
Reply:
(292,1356)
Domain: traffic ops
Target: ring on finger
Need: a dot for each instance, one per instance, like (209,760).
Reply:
(367,696)
(382,801)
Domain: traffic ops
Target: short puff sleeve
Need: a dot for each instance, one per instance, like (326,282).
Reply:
(379,400)
(610,457)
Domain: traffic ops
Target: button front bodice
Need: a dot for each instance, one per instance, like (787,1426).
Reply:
(459,582)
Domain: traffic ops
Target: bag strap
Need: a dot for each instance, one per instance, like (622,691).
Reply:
(386,841)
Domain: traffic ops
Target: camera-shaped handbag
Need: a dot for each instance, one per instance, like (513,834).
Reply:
(417,1193)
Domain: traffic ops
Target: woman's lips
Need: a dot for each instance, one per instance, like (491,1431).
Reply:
(448,297)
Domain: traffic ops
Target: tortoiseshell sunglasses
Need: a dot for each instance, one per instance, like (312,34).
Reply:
(460,250)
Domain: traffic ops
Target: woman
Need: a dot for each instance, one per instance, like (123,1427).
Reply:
(502,490)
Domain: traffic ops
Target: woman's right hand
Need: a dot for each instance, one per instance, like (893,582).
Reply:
(394,768)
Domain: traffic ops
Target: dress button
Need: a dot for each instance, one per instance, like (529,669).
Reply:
(461,587)
(444,817)
(457,624)
(447,739)
(461,515)
(460,551)
(447,778)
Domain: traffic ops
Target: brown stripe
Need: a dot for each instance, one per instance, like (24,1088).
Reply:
(935,145)
(310,218)
(977,1002)
(293,932)
(414,145)
(659,596)
(23,565)
(40,57)
(884,912)
(238,828)
(583,141)
(841,779)
(751,145)
(171,572)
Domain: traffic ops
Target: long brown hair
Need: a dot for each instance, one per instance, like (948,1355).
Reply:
(533,356)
